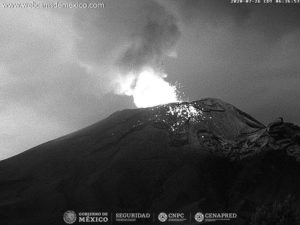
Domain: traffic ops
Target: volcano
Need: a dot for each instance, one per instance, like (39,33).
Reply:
(201,156)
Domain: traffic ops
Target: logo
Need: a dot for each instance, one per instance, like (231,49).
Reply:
(162,217)
(70,217)
(172,217)
(93,217)
(132,217)
(219,216)
(199,217)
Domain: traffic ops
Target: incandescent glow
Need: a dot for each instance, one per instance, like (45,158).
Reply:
(149,89)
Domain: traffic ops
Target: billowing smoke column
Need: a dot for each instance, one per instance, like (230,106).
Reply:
(140,65)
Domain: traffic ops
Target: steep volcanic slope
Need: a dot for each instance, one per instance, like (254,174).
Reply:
(205,155)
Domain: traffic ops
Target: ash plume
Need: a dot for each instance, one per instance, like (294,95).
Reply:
(155,40)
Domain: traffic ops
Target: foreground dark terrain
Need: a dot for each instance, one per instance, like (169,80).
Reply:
(203,156)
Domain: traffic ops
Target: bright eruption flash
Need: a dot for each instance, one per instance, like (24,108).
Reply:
(149,89)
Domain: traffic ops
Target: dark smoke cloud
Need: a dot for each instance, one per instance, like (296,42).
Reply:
(153,42)
(125,38)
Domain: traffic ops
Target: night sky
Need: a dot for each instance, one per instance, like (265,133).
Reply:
(60,68)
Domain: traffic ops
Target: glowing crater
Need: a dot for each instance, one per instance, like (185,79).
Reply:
(148,88)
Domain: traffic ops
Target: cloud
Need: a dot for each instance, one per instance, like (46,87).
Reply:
(44,91)
(124,38)
(155,40)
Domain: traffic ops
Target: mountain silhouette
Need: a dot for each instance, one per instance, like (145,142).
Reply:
(205,156)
